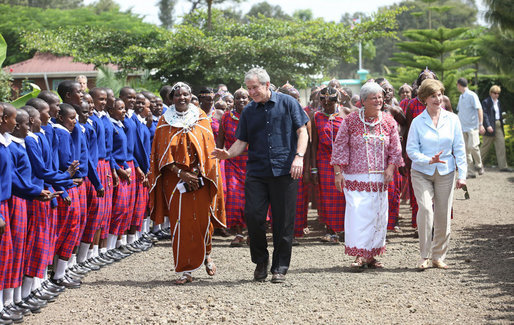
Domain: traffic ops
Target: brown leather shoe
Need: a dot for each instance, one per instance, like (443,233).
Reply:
(278,278)
(261,272)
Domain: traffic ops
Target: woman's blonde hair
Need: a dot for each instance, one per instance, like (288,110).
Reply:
(429,87)
(495,89)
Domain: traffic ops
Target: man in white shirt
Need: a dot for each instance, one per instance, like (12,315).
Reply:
(493,124)
(471,118)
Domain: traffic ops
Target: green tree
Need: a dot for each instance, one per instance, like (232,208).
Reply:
(501,13)
(197,4)
(104,5)
(45,4)
(303,14)
(166,8)
(267,10)
(16,21)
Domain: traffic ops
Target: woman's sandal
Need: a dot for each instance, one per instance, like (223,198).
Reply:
(210,267)
(422,264)
(326,238)
(359,263)
(334,239)
(184,278)
(238,241)
(440,264)
(375,264)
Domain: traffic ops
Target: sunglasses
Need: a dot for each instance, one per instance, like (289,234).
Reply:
(493,92)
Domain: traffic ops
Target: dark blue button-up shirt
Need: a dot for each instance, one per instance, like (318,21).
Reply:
(270,131)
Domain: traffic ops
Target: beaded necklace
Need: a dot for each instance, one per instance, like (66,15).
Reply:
(233,115)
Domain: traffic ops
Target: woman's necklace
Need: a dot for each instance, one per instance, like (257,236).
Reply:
(370,124)
(333,115)
(233,115)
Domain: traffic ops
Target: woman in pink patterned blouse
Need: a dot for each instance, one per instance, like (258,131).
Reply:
(366,152)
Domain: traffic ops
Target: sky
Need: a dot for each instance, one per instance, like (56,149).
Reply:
(329,10)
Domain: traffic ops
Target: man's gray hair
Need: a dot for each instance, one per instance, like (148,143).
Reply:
(260,73)
(370,88)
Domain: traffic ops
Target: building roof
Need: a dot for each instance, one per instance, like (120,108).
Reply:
(52,66)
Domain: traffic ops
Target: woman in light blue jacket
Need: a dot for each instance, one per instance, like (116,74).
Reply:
(436,147)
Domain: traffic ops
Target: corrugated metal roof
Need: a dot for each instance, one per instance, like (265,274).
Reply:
(49,63)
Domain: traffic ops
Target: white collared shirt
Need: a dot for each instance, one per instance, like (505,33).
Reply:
(426,140)
(496,110)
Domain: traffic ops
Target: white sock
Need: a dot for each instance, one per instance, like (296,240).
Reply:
(8,296)
(17,295)
(37,284)
(82,254)
(119,243)
(144,228)
(45,274)
(1,299)
(72,261)
(124,240)
(90,253)
(103,250)
(166,222)
(111,241)
(138,235)
(26,286)
(95,251)
(60,269)
(131,239)
(156,228)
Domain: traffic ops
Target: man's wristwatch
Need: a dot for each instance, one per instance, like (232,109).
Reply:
(300,154)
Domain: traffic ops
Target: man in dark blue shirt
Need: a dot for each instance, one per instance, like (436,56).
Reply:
(273,126)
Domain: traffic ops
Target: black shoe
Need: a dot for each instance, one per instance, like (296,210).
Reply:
(74,275)
(124,250)
(7,321)
(132,248)
(6,315)
(33,300)
(261,271)
(78,269)
(113,255)
(278,278)
(16,312)
(90,266)
(53,288)
(152,237)
(94,261)
(105,259)
(34,308)
(67,282)
(44,295)
(295,242)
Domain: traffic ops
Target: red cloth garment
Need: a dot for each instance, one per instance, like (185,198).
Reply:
(131,199)
(105,175)
(302,207)
(5,246)
(120,206)
(68,218)
(83,210)
(393,196)
(332,203)
(235,174)
(140,206)
(18,220)
(95,206)
(38,242)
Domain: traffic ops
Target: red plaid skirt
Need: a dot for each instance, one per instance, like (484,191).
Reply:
(83,210)
(393,195)
(18,220)
(37,247)
(104,171)
(302,206)
(141,204)
(95,208)
(68,224)
(5,246)
(332,203)
(52,233)
(131,199)
(413,204)
(235,174)
(120,206)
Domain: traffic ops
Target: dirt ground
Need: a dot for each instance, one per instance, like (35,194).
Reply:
(320,287)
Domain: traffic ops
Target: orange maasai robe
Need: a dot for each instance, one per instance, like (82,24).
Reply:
(187,141)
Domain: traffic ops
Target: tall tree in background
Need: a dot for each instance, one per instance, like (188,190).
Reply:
(267,10)
(196,4)
(501,13)
(104,5)
(303,14)
(166,8)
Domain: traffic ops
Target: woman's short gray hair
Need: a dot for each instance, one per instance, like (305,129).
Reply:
(260,73)
(370,88)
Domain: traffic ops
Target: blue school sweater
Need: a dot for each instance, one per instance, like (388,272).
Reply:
(53,140)
(92,154)
(155,121)
(143,144)
(131,132)
(22,185)
(6,170)
(109,130)
(119,141)
(99,128)
(66,150)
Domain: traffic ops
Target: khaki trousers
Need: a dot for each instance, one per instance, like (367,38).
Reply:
(472,142)
(499,145)
(434,194)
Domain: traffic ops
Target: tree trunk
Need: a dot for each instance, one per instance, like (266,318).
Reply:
(209,15)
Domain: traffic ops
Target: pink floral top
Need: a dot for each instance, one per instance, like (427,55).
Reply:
(350,145)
